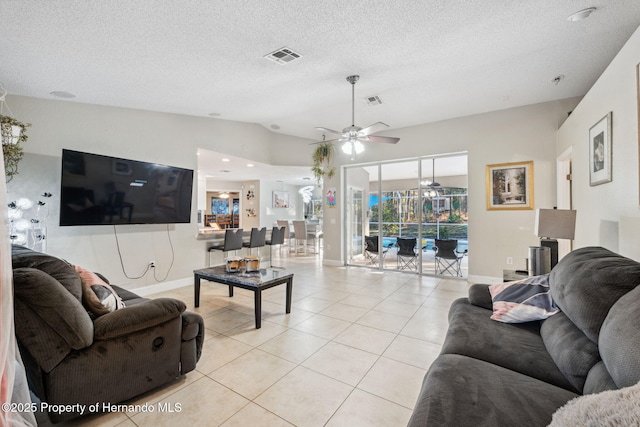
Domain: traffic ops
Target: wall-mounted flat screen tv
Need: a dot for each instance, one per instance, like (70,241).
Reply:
(103,190)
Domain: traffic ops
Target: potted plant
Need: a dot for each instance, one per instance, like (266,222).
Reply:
(13,133)
(323,161)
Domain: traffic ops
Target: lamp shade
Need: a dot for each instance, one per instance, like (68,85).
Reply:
(555,223)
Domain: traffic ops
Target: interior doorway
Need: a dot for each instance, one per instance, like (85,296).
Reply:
(563,191)
(223,210)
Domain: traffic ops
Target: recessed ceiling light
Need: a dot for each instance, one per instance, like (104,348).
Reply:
(581,14)
(250,165)
(306,178)
(215,114)
(224,159)
(62,94)
(275,127)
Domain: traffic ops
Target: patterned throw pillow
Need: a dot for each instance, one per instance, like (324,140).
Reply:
(524,300)
(99,297)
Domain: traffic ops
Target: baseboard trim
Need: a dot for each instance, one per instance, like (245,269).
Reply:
(162,287)
(488,280)
(332,263)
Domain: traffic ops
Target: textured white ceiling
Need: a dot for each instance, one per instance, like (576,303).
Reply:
(427,59)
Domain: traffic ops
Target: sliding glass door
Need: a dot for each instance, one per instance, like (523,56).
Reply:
(404,207)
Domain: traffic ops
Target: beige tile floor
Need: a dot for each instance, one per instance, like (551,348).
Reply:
(352,352)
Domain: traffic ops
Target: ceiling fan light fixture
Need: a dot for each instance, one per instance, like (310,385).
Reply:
(352,147)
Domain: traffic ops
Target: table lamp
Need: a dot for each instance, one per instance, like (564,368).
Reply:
(552,224)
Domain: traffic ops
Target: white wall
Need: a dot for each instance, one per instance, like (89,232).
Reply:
(512,135)
(604,209)
(268,214)
(519,134)
(141,135)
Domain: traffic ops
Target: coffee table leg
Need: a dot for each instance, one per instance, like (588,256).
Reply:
(196,290)
(257,297)
(230,290)
(289,292)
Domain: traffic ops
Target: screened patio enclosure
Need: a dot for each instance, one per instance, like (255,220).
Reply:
(422,199)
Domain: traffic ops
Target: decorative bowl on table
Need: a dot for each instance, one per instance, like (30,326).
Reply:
(252,263)
(234,264)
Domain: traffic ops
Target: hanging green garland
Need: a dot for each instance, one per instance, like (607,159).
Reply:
(323,161)
(12,150)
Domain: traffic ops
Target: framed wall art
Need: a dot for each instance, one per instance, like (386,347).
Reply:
(280,199)
(331,197)
(600,151)
(510,186)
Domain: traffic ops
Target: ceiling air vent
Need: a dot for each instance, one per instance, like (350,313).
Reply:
(283,56)
(374,100)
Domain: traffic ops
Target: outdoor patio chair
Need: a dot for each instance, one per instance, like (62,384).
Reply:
(371,251)
(407,255)
(448,258)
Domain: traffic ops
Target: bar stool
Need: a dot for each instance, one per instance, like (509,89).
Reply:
(232,242)
(277,238)
(287,230)
(257,239)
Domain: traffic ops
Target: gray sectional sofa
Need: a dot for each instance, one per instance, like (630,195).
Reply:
(497,374)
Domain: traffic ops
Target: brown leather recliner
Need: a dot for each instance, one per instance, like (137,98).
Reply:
(72,358)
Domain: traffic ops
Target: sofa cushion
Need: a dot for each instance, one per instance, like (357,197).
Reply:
(588,281)
(516,346)
(50,322)
(598,380)
(57,268)
(523,300)
(99,297)
(479,295)
(620,340)
(462,391)
(570,349)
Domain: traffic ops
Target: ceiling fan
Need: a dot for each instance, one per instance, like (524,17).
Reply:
(432,186)
(353,136)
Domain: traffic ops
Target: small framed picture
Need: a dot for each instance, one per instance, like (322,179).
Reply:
(600,151)
(510,186)
(280,199)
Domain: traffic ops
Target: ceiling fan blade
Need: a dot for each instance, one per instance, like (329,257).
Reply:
(328,130)
(387,139)
(376,127)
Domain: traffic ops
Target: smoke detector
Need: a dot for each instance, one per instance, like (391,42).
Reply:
(282,56)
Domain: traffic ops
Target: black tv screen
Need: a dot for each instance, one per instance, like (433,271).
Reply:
(103,190)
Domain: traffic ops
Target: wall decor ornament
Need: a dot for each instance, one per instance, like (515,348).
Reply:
(510,186)
(331,197)
(600,151)
(27,222)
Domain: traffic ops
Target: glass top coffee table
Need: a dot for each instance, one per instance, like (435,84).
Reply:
(253,281)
